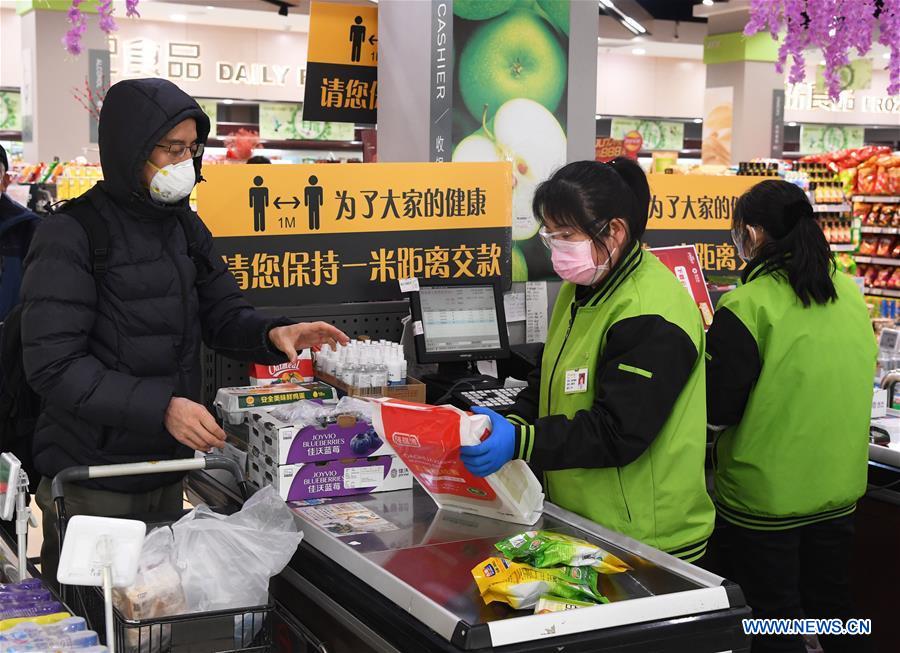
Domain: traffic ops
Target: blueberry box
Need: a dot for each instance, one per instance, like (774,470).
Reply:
(289,444)
(335,478)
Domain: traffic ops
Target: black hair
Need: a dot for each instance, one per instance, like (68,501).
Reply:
(796,248)
(259,158)
(588,195)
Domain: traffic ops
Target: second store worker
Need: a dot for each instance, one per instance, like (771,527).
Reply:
(615,415)
(791,364)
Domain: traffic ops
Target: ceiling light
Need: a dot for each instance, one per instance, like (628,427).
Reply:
(638,51)
(227,101)
(178,18)
(708,3)
(209,8)
(792,124)
(886,55)
(628,20)
(698,120)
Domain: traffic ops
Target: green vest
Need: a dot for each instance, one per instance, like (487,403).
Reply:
(800,453)
(660,498)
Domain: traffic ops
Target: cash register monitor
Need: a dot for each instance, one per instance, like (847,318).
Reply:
(459,324)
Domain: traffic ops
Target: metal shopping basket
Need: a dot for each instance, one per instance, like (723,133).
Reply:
(244,630)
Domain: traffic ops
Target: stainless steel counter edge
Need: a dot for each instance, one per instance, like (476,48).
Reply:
(665,606)
(436,617)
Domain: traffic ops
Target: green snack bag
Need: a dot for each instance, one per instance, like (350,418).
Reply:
(521,586)
(544,549)
(549,603)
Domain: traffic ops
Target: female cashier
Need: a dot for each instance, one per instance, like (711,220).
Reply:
(615,414)
(789,378)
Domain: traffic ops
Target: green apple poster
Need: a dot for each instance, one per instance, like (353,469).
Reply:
(499,88)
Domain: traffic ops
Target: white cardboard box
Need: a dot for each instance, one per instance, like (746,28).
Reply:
(336,478)
(289,444)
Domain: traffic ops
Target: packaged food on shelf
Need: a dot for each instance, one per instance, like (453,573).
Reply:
(879,175)
(885,245)
(868,246)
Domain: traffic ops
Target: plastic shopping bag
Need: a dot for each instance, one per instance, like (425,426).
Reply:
(226,562)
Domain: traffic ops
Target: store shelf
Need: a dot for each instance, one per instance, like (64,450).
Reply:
(877,199)
(880,230)
(876,260)
(882,292)
(832,208)
(843,247)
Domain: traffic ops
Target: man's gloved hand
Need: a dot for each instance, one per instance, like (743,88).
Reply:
(488,457)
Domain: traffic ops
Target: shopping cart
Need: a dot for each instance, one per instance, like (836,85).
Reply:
(244,630)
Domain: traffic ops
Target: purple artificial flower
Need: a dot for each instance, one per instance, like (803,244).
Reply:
(107,22)
(131,8)
(890,36)
(834,27)
(72,38)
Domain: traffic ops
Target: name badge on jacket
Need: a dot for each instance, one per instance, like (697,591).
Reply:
(576,381)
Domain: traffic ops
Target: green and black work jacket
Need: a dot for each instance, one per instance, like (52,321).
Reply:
(793,385)
(615,415)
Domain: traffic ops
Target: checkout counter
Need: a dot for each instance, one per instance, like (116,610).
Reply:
(407,585)
(409,588)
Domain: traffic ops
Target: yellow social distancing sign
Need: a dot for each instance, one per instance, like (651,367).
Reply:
(276,200)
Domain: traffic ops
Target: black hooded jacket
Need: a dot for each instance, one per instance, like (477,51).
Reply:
(107,360)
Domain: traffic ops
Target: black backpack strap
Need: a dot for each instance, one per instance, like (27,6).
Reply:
(87,213)
(201,262)
(86,210)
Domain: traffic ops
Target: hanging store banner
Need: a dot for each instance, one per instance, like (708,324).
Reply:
(342,63)
(295,234)
(818,139)
(504,98)
(10,111)
(284,121)
(655,134)
(697,210)
(211,109)
(718,116)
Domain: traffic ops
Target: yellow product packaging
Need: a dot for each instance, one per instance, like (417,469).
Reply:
(521,586)
(549,603)
(547,549)
(43,620)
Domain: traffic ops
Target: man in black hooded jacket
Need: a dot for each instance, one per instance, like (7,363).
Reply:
(115,359)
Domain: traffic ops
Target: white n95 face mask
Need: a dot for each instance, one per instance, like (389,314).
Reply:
(174,182)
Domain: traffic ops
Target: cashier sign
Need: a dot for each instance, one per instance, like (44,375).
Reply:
(326,233)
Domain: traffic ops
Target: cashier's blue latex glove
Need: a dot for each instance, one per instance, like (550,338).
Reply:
(488,457)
